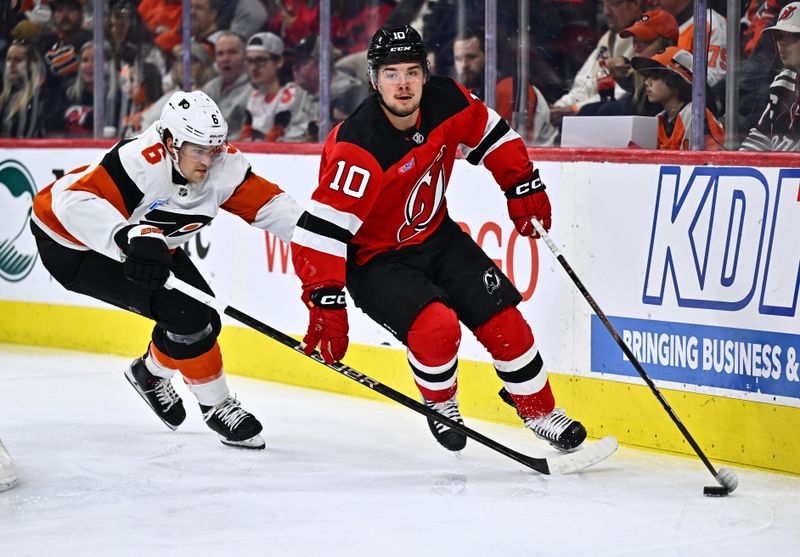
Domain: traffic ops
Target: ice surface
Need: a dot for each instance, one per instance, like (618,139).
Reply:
(99,474)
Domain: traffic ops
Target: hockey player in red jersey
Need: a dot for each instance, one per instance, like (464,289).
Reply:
(113,229)
(378,223)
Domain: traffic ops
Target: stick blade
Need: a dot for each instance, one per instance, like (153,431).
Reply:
(584,458)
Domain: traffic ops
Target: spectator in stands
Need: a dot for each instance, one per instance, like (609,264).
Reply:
(294,19)
(243,17)
(346,92)
(652,32)
(129,39)
(21,99)
(162,18)
(683,10)
(760,63)
(140,86)
(231,88)
(470,60)
(60,46)
(668,80)
(204,20)
(779,126)
(756,16)
(72,114)
(611,51)
(272,105)
(353,22)
(202,72)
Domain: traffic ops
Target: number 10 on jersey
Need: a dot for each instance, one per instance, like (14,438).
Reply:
(348,187)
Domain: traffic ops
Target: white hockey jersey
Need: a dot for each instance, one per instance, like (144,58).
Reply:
(269,116)
(716,33)
(135,183)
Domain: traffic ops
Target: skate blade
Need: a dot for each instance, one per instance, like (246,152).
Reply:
(8,483)
(135,386)
(255,443)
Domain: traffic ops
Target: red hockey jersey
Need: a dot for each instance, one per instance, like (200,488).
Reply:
(381,188)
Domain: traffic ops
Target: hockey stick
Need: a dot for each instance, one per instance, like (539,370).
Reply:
(560,464)
(726,478)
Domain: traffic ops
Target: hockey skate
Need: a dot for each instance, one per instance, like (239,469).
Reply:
(8,471)
(561,431)
(449,438)
(158,393)
(236,426)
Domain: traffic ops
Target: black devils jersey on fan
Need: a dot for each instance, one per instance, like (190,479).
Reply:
(381,189)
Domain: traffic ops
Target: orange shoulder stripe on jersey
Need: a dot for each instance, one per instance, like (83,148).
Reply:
(100,183)
(43,209)
(250,196)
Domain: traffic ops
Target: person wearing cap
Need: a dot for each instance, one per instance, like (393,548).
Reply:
(652,32)
(716,37)
(611,50)
(272,105)
(231,88)
(778,129)
(346,92)
(668,82)
(114,229)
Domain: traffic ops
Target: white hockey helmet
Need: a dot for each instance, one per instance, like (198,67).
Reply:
(193,116)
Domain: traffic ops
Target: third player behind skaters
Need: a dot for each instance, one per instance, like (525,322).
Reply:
(378,223)
(113,229)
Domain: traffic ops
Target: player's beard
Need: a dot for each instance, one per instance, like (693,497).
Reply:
(400,113)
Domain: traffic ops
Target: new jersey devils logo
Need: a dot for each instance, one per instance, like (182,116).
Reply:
(491,280)
(425,199)
(787,12)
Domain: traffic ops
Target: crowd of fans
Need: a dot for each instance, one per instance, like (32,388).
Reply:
(259,60)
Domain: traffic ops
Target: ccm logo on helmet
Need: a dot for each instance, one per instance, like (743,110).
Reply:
(399,48)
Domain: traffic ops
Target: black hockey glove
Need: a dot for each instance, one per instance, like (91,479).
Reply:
(147,257)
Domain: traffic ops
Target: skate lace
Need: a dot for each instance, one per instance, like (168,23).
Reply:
(230,412)
(165,393)
(449,409)
(551,426)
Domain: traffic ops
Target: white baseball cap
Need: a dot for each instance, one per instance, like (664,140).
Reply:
(788,19)
(266,42)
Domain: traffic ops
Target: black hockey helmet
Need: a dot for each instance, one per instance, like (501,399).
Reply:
(394,44)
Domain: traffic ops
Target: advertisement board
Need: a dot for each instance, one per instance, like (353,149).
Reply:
(698,267)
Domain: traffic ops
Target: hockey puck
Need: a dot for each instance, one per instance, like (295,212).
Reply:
(715,491)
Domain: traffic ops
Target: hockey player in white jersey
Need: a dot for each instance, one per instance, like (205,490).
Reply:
(113,229)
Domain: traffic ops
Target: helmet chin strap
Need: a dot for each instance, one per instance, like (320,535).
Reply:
(183,189)
(176,163)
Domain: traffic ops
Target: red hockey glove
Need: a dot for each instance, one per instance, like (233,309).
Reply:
(526,201)
(327,325)
(147,260)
